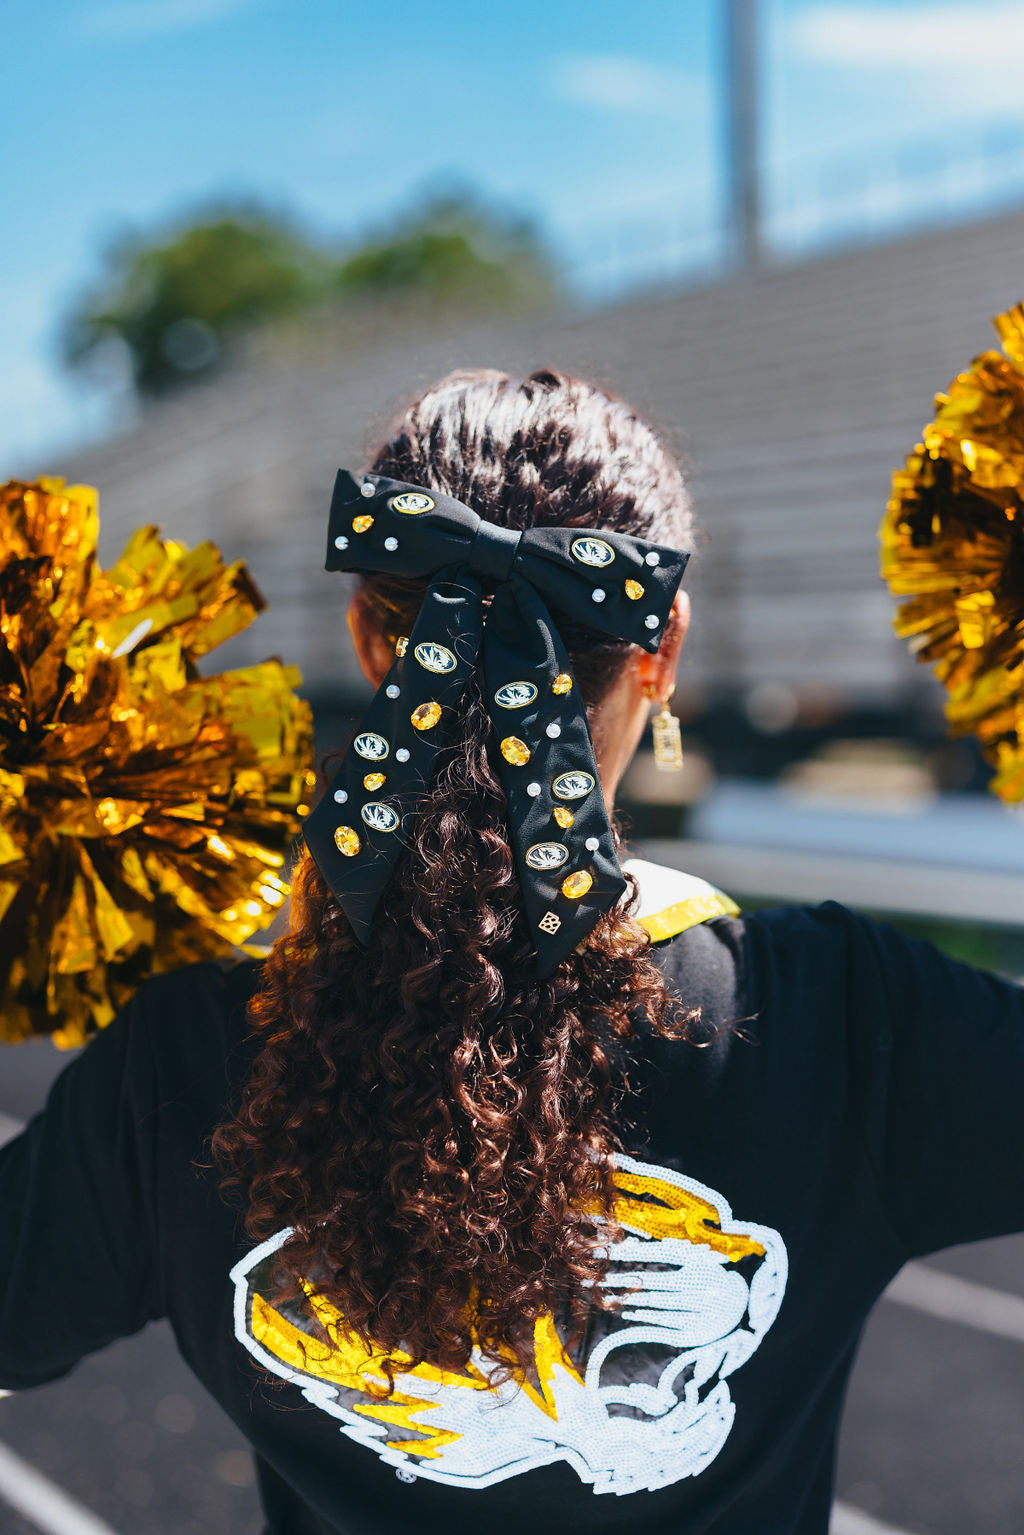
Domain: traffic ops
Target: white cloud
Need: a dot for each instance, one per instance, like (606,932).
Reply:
(617,83)
(963,59)
(136,20)
(913,37)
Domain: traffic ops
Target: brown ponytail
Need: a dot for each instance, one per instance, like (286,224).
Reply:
(433,1122)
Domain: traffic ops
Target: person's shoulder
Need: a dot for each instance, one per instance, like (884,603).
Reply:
(827,936)
(735,959)
(204,991)
(696,933)
(195,1021)
(674,902)
(814,963)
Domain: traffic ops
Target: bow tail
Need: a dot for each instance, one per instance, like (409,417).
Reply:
(362,825)
(561,835)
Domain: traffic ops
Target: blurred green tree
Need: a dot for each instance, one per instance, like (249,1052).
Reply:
(176,302)
(179,302)
(451,248)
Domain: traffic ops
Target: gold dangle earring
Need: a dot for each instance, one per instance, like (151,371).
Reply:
(668,741)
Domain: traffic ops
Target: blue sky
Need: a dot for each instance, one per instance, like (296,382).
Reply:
(599,119)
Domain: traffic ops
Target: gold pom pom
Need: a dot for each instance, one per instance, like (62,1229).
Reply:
(952,540)
(145,809)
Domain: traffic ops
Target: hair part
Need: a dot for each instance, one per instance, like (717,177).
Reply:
(437,1125)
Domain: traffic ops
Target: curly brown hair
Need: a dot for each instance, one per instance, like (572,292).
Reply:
(437,1126)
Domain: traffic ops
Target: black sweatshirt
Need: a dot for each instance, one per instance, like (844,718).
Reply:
(858,1104)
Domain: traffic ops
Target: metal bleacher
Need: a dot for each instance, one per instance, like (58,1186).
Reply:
(793,392)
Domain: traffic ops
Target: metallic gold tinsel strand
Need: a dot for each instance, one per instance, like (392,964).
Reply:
(145,810)
(952,541)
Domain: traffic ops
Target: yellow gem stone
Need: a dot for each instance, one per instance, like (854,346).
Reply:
(575,885)
(401,644)
(515,751)
(362,524)
(562,683)
(373,781)
(426,716)
(563,816)
(346,841)
(634,590)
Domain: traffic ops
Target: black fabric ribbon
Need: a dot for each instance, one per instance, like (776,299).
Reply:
(560,833)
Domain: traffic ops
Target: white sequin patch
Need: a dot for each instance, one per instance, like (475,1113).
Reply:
(648,1406)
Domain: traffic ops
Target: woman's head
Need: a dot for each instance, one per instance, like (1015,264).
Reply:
(435,1123)
(547,450)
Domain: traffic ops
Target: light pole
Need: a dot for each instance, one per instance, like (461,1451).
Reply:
(741,134)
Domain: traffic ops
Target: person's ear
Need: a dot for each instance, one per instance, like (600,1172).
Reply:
(373,650)
(656,673)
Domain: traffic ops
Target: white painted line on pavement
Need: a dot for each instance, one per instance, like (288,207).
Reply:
(850,1521)
(958,1300)
(43,1503)
(27,1490)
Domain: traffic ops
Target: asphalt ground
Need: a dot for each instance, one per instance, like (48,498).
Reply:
(932,1440)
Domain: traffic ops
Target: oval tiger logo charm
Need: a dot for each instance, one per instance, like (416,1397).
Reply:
(573,785)
(371,746)
(592,551)
(434,657)
(546,855)
(515,695)
(412,503)
(380,816)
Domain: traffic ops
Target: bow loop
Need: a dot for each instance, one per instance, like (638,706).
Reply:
(617,584)
(558,821)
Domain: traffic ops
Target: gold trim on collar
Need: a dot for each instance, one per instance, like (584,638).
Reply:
(665,924)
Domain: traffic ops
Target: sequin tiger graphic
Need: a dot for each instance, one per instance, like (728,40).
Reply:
(647,1406)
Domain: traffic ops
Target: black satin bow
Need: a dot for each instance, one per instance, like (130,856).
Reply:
(561,837)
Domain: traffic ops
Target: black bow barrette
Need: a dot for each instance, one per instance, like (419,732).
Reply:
(558,821)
